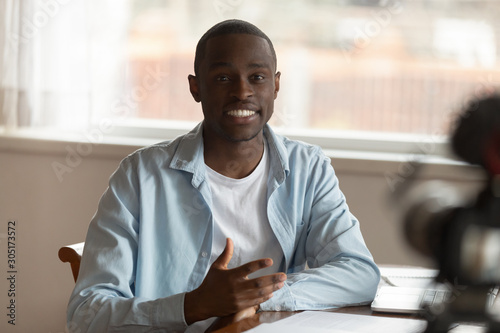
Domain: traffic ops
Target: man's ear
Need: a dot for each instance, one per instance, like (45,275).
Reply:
(194,88)
(276,84)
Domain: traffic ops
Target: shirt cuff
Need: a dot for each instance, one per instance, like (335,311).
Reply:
(282,300)
(170,313)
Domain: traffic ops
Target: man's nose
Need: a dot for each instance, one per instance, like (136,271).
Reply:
(242,89)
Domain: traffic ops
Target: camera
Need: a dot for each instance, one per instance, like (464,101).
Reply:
(461,235)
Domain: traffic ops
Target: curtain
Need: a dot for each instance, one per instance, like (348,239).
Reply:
(61,61)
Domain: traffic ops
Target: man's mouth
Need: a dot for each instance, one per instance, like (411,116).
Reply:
(241,113)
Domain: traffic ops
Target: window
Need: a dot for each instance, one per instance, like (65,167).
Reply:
(372,66)
(386,70)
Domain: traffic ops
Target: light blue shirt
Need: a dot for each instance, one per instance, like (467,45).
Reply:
(151,238)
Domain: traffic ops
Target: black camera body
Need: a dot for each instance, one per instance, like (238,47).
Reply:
(463,239)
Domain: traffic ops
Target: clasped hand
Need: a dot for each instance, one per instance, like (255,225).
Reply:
(226,291)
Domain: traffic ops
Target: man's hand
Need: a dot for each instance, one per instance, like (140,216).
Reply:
(227,320)
(226,291)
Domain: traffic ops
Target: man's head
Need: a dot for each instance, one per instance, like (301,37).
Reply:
(225,28)
(236,81)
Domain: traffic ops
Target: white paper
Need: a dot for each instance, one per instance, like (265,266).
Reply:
(409,277)
(332,322)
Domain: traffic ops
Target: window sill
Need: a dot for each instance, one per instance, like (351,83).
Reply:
(344,160)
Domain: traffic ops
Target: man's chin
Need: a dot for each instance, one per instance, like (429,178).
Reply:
(242,138)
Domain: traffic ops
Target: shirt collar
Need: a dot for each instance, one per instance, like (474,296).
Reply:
(278,154)
(189,154)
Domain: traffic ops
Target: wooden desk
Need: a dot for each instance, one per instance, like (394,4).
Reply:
(269,317)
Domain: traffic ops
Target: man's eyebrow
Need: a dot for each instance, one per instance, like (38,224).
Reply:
(258,65)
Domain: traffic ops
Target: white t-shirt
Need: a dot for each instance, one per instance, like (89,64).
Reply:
(240,213)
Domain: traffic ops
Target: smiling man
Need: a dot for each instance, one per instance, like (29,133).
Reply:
(224,221)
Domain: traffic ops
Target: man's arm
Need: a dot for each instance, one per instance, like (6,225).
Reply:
(340,270)
(223,292)
(104,296)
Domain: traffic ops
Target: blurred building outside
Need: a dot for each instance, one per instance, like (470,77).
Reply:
(393,67)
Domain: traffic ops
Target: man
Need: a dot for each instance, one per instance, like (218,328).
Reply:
(208,224)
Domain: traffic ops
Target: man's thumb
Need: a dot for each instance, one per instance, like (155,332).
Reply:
(226,255)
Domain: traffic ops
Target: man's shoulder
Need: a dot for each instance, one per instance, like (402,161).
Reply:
(159,152)
(298,148)
(163,148)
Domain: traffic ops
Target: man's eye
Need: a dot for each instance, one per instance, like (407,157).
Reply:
(258,77)
(223,78)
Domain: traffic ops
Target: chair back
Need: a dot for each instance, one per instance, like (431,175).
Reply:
(72,254)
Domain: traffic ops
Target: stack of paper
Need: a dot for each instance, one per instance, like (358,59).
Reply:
(333,322)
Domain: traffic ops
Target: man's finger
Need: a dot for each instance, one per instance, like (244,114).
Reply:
(255,296)
(226,255)
(253,266)
(272,282)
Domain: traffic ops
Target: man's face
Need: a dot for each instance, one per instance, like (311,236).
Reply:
(236,86)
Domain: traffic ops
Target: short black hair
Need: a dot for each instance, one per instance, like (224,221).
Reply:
(225,28)
(475,128)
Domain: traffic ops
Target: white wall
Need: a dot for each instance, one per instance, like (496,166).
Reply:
(50,213)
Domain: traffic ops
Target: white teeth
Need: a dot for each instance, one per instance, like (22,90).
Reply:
(241,113)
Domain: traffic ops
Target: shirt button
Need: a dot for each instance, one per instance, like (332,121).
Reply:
(278,308)
(204,254)
(180,164)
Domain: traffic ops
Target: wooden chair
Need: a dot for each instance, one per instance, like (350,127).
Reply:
(72,254)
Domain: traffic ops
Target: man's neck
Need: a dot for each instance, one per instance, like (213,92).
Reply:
(234,159)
